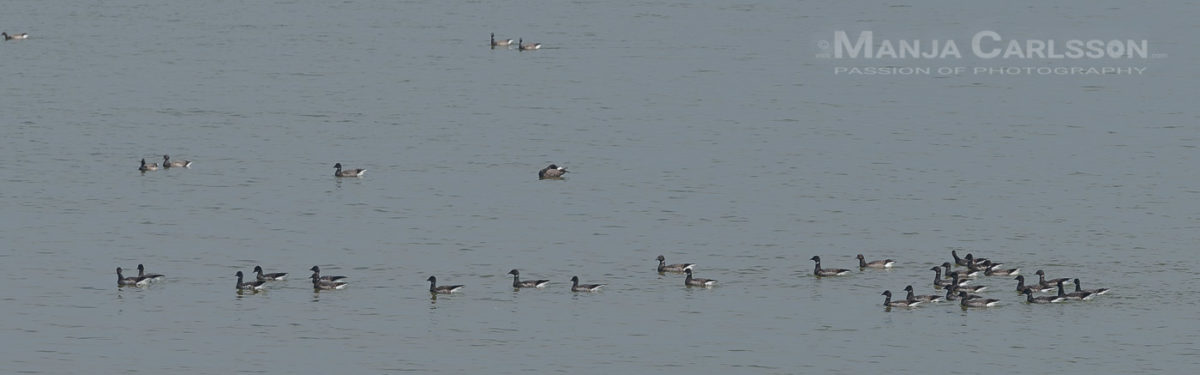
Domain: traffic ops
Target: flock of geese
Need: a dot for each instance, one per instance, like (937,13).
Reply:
(955,283)
(325,282)
(958,286)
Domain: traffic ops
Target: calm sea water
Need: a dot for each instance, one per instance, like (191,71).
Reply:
(708,132)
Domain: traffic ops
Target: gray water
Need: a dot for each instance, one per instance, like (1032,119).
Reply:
(708,132)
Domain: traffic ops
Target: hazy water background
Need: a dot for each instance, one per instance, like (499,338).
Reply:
(705,131)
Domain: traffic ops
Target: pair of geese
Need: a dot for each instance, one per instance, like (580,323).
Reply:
(521,45)
(552,172)
(167,163)
(141,280)
(862,263)
(260,282)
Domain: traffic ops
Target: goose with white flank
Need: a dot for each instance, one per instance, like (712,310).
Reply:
(517,283)
(1048,283)
(577,287)
(1043,299)
(678,267)
(887,301)
(827,272)
(1093,291)
(1073,295)
(249,286)
(441,289)
(338,172)
(863,263)
(131,281)
(692,281)
(976,302)
(921,298)
(269,276)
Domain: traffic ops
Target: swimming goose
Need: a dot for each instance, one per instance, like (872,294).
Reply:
(976,302)
(521,45)
(500,43)
(576,287)
(517,283)
(552,172)
(827,272)
(317,273)
(444,289)
(338,172)
(952,294)
(320,283)
(1073,295)
(149,276)
(962,286)
(15,36)
(863,263)
(972,261)
(921,298)
(939,282)
(992,270)
(1044,299)
(269,276)
(254,286)
(887,301)
(131,281)
(1021,287)
(1048,283)
(167,163)
(1093,291)
(964,274)
(664,267)
(148,167)
(957,260)
(690,281)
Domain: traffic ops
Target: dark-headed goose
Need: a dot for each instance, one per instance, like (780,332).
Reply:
(552,172)
(1073,295)
(443,289)
(691,281)
(517,283)
(678,267)
(577,287)
(921,298)
(976,302)
(1021,287)
(887,301)
(149,276)
(131,281)
(338,172)
(863,263)
(167,163)
(1044,299)
(1048,283)
(252,286)
(269,276)
(1093,291)
(827,272)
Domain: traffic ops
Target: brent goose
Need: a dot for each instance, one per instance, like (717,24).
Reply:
(939,282)
(321,283)
(921,298)
(1044,299)
(992,270)
(131,281)
(952,294)
(521,45)
(500,43)
(976,302)
(1073,295)
(1093,291)
(148,167)
(444,289)
(167,163)
(972,261)
(15,36)
(576,287)
(1048,283)
(269,276)
(338,172)
(552,172)
(863,263)
(517,283)
(255,285)
(317,274)
(1021,287)
(957,260)
(148,276)
(679,267)
(691,281)
(827,272)
(961,286)
(964,274)
(887,301)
